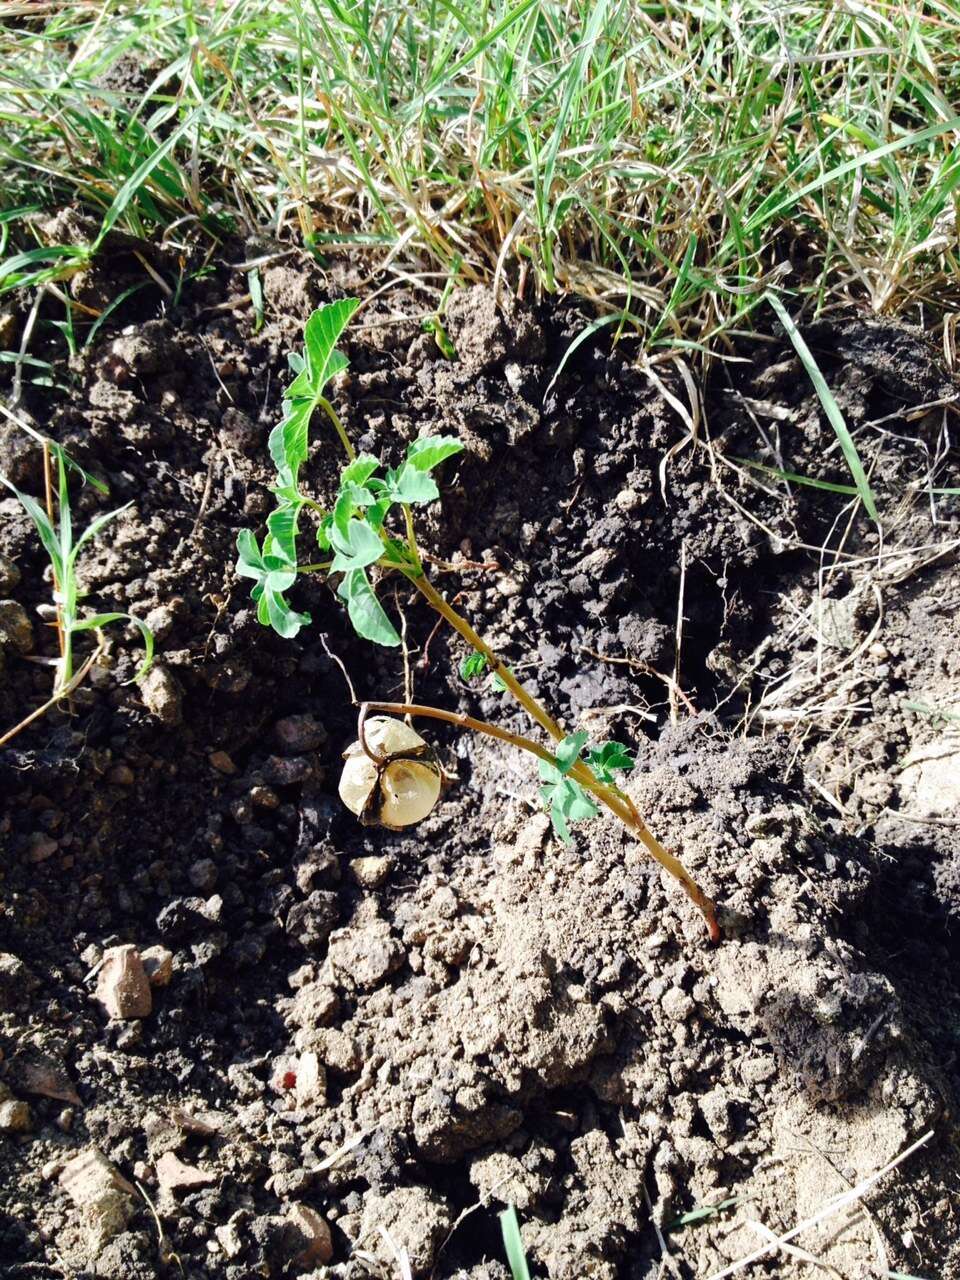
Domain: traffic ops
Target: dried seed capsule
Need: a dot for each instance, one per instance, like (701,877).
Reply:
(400,789)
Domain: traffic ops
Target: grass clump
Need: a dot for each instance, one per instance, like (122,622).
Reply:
(669,161)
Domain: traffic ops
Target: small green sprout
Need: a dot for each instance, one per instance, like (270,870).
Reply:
(367,531)
(62,548)
(472,666)
(565,798)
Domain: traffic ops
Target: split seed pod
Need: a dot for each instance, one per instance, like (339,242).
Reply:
(401,789)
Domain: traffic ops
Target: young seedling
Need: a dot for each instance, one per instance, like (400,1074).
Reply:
(369,527)
(56,534)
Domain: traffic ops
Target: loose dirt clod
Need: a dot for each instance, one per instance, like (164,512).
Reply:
(104,1197)
(15,1116)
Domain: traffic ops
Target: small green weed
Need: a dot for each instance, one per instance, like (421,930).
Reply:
(62,547)
(369,528)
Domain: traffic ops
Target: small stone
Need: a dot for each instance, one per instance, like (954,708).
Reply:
(228,1237)
(297,734)
(162,695)
(45,1075)
(105,1199)
(40,847)
(122,985)
(627,500)
(157,965)
(284,771)
(758,1070)
(121,775)
(264,798)
(16,629)
(416,1220)
(202,874)
(315,1005)
(220,761)
(9,575)
(173,1175)
(15,1117)
(371,872)
(339,1051)
(311,1081)
(160,620)
(312,1244)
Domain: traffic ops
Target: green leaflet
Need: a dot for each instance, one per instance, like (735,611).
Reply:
(272,576)
(365,611)
(610,757)
(411,485)
(322,331)
(513,1244)
(359,471)
(429,451)
(568,751)
(356,549)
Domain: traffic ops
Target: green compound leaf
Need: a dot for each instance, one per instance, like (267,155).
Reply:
(608,758)
(568,751)
(473,665)
(356,549)
(429,451)
(565,798)
(365,611)
(272,575)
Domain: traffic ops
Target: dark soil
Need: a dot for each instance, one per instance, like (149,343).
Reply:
(409,1031)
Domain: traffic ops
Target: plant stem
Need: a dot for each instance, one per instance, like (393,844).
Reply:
(331,413)
(615,800)
(63,680)
(459,624)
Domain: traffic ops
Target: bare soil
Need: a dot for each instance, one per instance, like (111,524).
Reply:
(496,1018)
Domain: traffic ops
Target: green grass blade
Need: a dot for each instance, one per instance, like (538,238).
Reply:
(827,485)
(830,406)
(513,1244)
(104,619)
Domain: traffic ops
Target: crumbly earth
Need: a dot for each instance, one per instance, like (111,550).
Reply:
(405,1032)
